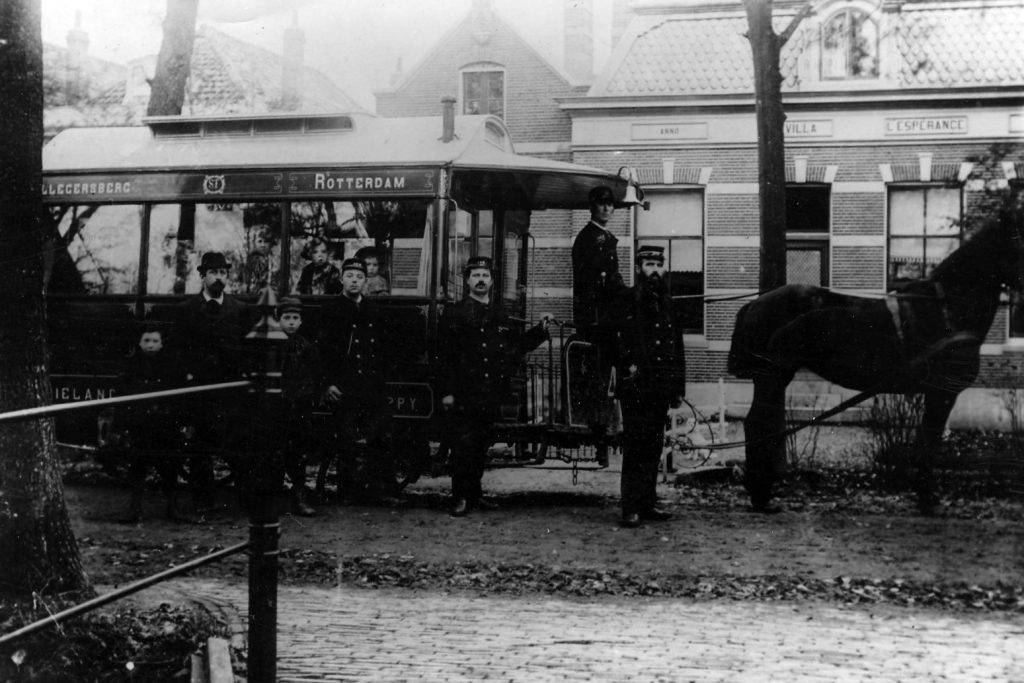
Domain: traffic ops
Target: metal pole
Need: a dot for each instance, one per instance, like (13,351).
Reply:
(264,529)
(119,593)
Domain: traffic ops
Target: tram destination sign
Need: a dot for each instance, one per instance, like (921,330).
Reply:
(127,187)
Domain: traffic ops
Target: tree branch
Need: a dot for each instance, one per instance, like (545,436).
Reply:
(805,10)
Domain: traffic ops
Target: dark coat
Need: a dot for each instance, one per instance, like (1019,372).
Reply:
(324,280)
(355,346)
(151,423)
(479,349)
(647,351)
(211,345)
(301,373)
(596,280)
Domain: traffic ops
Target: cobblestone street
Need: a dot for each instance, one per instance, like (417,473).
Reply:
(350,634)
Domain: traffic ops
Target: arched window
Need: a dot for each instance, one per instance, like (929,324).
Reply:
(849,46)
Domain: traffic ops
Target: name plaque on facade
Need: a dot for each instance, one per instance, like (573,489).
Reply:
(926,125)
(669,131)
(820,128)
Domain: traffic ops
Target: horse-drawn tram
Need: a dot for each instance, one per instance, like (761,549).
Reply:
(130,210)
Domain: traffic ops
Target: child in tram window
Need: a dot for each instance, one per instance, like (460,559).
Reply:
(376,283)
(257,265)
(300,388)
(320,276)
(149,429)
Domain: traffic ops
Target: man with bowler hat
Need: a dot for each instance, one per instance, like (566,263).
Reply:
(210,329)
(480,348)
(647,352)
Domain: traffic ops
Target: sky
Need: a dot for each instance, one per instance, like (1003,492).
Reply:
(356,43)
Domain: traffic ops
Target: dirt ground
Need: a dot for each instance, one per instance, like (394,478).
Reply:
(546,521)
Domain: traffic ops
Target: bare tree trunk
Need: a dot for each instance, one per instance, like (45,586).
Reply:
(766,47)
(39,549)
(167,93)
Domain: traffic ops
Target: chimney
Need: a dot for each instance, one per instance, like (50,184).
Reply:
(396,76)
(621,14)
(291,70)
(447,118)
(74,73)
(579,39)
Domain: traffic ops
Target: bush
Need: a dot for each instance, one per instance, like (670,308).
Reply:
(893,423)
(115,645)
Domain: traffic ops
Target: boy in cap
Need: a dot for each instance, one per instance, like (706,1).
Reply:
(300,389)
(647,352)
(356,354)
(479,349)
(209,334)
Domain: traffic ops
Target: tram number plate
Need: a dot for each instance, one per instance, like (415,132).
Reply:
(410,399)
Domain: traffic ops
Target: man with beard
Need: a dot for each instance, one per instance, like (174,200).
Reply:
(210,334)
(647,352)
(480,348)
(356,354)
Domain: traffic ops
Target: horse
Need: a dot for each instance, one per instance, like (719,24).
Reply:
(924,337)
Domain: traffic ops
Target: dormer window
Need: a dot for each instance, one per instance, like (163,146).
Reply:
(483,92)
(849,46)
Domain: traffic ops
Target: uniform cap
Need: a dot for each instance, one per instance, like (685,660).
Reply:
(353,264)
(479,262)
(289,304)
(650,252)
(602,193)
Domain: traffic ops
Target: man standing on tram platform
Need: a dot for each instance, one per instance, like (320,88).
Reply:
(596,282)
(479,350)
(647,352)
(210,340)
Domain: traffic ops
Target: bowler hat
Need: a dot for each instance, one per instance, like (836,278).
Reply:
(601,193)
(353,264)
(213,259)
(478,262)
(289,304)
(649,252)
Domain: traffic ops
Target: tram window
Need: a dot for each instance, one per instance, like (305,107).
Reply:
(97,249)
(460,243)
(517,224)
(397,230)
(247,235)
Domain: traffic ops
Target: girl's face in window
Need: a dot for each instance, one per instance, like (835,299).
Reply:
(319,254)
(372,267)
(151,343)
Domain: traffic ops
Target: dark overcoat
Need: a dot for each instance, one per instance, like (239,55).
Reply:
(596,280)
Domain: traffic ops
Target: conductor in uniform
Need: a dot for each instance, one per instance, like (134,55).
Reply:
(647,352)
(479,350)
(596,283)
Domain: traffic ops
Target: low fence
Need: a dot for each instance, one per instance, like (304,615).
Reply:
(264,532)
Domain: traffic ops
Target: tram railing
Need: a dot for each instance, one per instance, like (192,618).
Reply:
(264,532)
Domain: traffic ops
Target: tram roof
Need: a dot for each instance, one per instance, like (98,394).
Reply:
(485,169)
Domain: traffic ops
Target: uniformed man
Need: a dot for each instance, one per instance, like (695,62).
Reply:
(355,352)
(596,282)
(650,368)
(479,350)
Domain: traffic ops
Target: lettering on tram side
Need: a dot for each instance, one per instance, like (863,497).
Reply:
(927,125)
(72,388)
(70,188)
(389,181)
(410,399)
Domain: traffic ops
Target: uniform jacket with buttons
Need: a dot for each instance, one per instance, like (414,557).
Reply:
(647,350)
(354,346)
(480,348)
(596,280)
